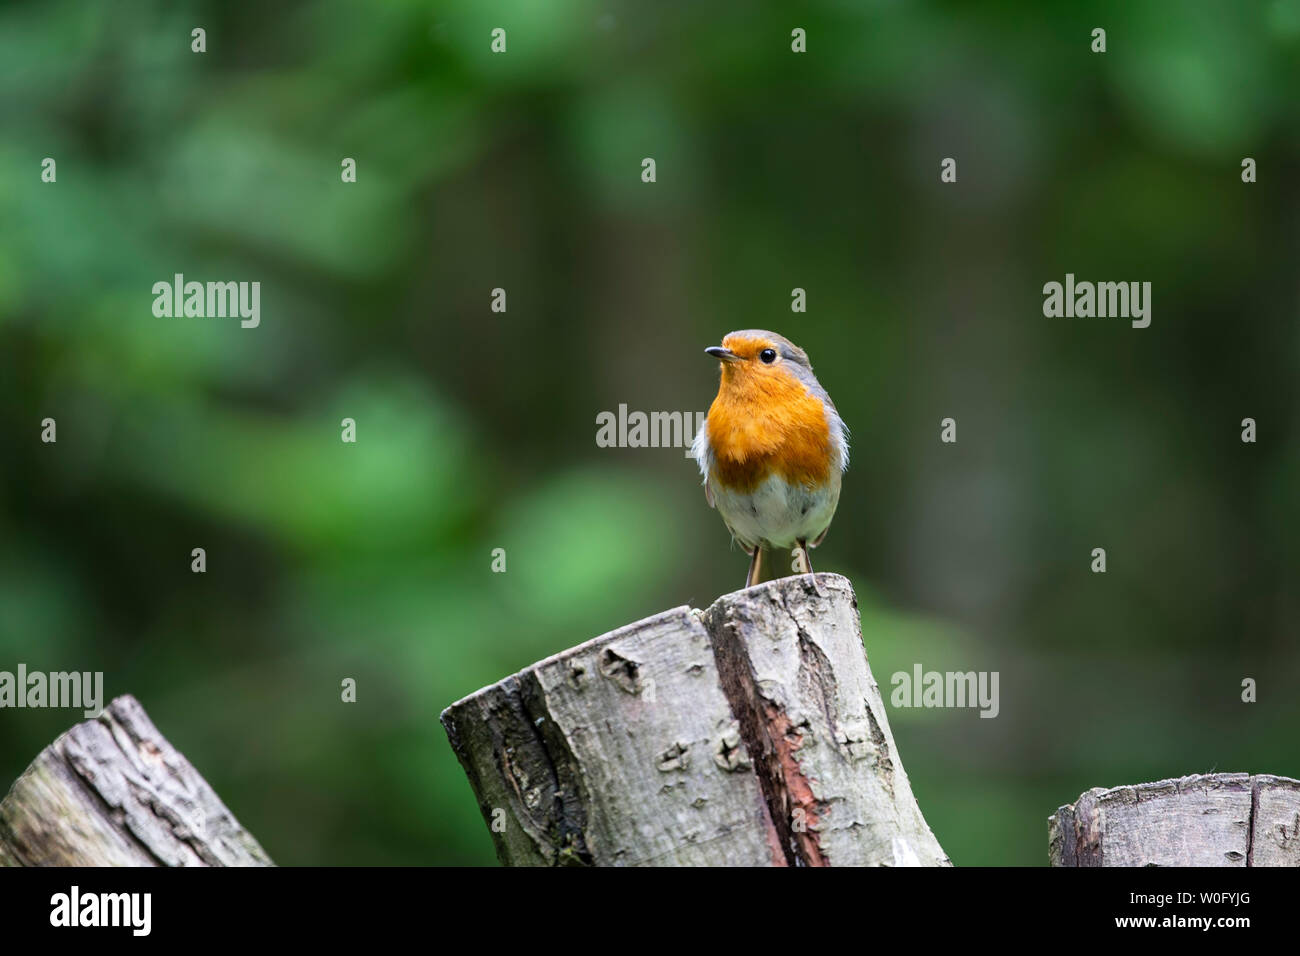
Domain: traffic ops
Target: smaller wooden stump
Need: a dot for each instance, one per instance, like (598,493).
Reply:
(113,792)
(750,734)
(1221,819)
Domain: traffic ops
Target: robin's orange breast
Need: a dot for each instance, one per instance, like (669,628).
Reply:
(768,424)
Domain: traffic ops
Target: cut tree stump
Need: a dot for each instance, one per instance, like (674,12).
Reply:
(113,792)
(1221,819)
(750,734)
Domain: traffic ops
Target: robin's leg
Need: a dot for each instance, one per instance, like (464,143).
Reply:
(755,567)
(804,564)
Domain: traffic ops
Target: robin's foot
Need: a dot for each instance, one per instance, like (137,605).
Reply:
(803,564)
(755,567)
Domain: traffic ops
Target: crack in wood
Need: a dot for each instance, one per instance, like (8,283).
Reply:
(772,741)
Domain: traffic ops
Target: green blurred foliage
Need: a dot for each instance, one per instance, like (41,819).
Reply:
(476,429)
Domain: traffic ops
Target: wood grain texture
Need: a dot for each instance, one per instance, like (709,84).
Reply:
(113,792)
(797,674)
(1222,819)
(749,734)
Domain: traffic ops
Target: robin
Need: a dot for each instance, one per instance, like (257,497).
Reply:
(772,449)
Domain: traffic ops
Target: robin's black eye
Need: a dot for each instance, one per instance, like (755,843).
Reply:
(768,356)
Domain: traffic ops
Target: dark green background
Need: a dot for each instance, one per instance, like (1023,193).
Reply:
(477,430)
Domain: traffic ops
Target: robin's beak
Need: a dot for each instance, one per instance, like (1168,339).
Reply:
(721,354)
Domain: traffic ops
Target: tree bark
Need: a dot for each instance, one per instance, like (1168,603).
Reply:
(1222,819)
(113,792)
(751,734)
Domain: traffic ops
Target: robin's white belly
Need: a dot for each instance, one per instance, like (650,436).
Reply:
(777,514)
